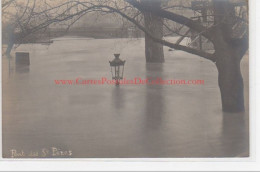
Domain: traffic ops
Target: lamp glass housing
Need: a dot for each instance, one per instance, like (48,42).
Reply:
(117,67)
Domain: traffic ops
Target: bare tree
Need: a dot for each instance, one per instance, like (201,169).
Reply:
(228,32)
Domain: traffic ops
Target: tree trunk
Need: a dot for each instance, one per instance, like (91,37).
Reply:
(230,80)
(9,48)
(228,57)
(154,25)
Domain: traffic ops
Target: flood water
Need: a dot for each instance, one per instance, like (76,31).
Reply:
(43,119)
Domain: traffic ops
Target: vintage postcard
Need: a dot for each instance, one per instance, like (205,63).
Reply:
(125,79)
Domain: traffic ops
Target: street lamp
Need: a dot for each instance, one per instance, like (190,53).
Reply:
(117,68)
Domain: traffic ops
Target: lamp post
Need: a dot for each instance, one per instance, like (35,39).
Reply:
(117,68)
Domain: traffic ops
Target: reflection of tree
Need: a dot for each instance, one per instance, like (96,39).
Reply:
(235,135)
(153,133)
(154,104)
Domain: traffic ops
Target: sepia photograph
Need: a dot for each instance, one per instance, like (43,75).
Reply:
(125,79)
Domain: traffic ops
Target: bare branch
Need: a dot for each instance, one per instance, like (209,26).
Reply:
(172,16)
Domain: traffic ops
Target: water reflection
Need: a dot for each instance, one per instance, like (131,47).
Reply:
(118,98)
(154,104)
(22,69)
(235,134)
(153,132)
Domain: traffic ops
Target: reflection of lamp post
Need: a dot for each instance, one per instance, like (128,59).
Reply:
(117,68)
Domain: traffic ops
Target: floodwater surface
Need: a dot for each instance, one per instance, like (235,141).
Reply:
(44,119)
